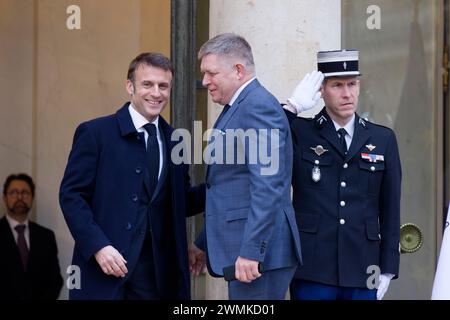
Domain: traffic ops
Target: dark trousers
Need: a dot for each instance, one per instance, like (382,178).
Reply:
(141,283)
(309,290)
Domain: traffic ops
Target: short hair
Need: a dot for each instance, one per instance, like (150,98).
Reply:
(19,176)
(326,79)
(229,44)
(153,59)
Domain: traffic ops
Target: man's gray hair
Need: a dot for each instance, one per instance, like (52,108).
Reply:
(229,44)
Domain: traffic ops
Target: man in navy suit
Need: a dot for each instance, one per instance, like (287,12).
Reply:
(125,201)
(249,220)
(29,267)
(346,182)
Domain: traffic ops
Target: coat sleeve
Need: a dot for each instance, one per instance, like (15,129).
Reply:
(195,196)
(390,210)
(76,192)
(290,116)
(266,177)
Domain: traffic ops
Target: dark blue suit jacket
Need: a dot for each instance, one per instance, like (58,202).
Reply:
(99,197)
(350,218)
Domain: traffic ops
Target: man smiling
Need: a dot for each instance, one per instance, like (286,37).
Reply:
(123,199)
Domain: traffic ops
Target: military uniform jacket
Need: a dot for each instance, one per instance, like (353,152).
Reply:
(349,218)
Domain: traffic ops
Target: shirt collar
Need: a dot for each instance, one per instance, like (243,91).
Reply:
(139,120)
(238,91)
(13,222)
(349,127)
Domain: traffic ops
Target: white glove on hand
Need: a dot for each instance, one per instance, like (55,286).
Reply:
(385,279)
(306,94)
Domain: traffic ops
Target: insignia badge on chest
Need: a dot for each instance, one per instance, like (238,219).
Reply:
(372,157)
(319,150)
(370,147)
(315,175)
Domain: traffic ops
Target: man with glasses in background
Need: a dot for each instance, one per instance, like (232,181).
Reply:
(30,267)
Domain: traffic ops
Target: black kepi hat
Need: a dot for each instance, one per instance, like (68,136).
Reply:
(338,63)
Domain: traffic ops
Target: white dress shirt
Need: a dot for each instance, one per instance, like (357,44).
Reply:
(13,223)
(139,122)
(238,91)
(349,127)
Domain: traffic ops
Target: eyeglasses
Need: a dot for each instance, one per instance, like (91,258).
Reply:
(14,193)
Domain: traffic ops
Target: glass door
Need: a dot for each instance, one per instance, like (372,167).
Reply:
(401,45)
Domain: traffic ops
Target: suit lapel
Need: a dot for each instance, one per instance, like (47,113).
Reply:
(163,175)
(222,123)
(226,118)
(9,243)
(35,240)
(360,136)
(328,131)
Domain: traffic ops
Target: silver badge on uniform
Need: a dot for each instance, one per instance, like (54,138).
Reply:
(370,147)
(319,150)
(315,175)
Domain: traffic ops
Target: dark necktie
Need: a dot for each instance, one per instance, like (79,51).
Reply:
(152,156)
(342,132)
(22,244)
(224,110)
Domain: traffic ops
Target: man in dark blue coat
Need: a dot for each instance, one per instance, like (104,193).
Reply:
(346,183)
(125,201)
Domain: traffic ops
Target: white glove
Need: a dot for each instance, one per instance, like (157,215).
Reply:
(306,94)
(385,279)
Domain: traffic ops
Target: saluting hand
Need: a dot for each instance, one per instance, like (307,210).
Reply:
(306,94)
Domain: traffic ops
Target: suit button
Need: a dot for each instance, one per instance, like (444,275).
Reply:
(138,137)
(379,236)
(342,221)
(343,184)
(372,168)
(142,231)
(138,170)
(128,226)
(345,166)
(262,250)
(134,197)
(316,162)
(342,203)
(208,186)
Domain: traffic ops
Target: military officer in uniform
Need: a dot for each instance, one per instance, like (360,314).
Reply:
(346,183)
